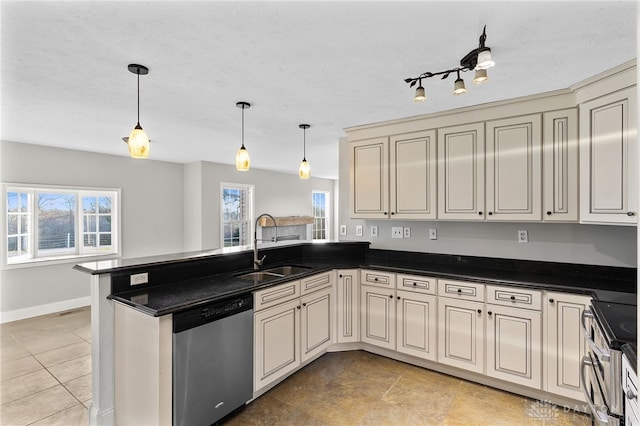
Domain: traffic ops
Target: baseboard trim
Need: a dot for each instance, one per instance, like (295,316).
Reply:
(49,308)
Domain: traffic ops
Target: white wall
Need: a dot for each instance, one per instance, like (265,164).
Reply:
(279,194)
(152,217)
(573,243)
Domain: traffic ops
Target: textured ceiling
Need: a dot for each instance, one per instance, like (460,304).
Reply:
(331,64)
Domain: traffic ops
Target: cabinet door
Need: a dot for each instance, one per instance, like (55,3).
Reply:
(514,169)
(348,304)
(560,166)
(316,322)
(378,316)
(565,345)
(461,172)
(416,324)
(412,176)
(461,334)
(608,149)
(514,342)
(370,179)
(277,345)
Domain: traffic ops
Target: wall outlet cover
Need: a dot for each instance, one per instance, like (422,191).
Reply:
(343,229)
(137,279)
(433,233)
(358,230)
(396,232)
(523,236)
(374,231)
(407,232)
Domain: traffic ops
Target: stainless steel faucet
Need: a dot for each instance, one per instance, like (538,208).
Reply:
(258,262)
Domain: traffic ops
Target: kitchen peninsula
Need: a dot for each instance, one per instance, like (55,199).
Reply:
(185,281)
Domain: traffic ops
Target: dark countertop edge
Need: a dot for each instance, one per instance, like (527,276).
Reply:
(630,351)
(319,268)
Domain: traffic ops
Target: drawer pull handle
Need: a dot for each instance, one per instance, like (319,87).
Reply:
(459,290)
(415,284)
(630,214)
(513,298)
(375,279)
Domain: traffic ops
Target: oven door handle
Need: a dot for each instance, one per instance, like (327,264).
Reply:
(602,416)
(603,356)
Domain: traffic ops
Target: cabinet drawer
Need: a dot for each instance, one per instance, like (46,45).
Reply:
(416,283)
(316,282)
(461,290)
(518,297)
(275,295)
(378,278)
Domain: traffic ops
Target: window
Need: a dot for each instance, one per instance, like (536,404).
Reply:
(48,223)
(237,214)
(320,207)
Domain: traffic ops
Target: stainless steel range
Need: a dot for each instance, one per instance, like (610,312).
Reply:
(607,326)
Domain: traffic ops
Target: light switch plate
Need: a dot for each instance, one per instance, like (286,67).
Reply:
(343,229)
(358,230)
(396,232)
(523,236)
(374,231)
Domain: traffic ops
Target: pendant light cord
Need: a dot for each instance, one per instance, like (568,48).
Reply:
(242,128)
(138,96)
(304,144)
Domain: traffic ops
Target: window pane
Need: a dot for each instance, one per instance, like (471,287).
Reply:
(12,224)
(89,240)
(25,219)
(89,224)
(105,240)
(56,221)
(105,224)
(12,201)
(12,246)
(24,246)
(89,205)
(104,205)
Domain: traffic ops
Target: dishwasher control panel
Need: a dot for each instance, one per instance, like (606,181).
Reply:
(211,312)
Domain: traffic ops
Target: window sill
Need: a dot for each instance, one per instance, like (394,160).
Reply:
(59,260)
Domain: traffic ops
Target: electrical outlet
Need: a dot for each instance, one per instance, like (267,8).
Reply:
(374,231)
(343,229)
(407,232)
(433,233)
(396,232)
(523,236)
(358,230)
(137,279)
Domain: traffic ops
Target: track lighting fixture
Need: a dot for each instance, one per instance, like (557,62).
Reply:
(242,156)
(479,59)
(138,140)
(305,170)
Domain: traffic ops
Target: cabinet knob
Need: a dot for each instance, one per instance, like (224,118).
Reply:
(304,304)
(551,300)
(391,296)
(375,279)
(398,297)
(513,298)
(630,395)
(385,213)
(631,214)
(549,213)
(490,213)
(459,290)
(480,213)
(393,213)
(489,313)
(298,306)
(414,284)
(479,311)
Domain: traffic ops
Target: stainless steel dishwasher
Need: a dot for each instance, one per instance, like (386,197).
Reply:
(212,361)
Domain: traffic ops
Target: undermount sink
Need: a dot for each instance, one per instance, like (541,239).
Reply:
(274,273)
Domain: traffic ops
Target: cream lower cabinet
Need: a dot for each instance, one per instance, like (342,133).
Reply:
(348,306)
(316,323)
(416,324)
(378,320)
(461,333)
(565,345)
(514,345)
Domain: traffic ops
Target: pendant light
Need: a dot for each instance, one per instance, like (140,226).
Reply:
(138,140)
(242,156)
(304,171)
(420,95)
(480,77)
(458,86)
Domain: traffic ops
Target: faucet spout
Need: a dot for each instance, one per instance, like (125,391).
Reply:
(258,262)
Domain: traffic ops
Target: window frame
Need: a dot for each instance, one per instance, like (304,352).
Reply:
(35,256)
(327,218)
(250,211)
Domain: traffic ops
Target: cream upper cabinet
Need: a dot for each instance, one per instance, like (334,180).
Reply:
(394,177)
(514,169)
(413,176)
(461,172)
(560,166)
(608,159)
(370,179)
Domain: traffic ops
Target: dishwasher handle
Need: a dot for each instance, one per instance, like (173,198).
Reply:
(210,312)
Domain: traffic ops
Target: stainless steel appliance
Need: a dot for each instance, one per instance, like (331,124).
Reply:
(212,361)
(607,326)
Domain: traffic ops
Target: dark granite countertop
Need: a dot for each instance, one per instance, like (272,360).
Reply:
(630,350)
(603,283)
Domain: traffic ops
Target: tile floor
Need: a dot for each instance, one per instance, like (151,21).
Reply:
(359,388)
(45,370)
(45,376)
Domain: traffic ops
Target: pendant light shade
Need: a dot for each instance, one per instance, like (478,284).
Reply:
(480,77)
(484,59)
(420,95)
(458,86)
(305,170)
(138,140)
(243,162)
